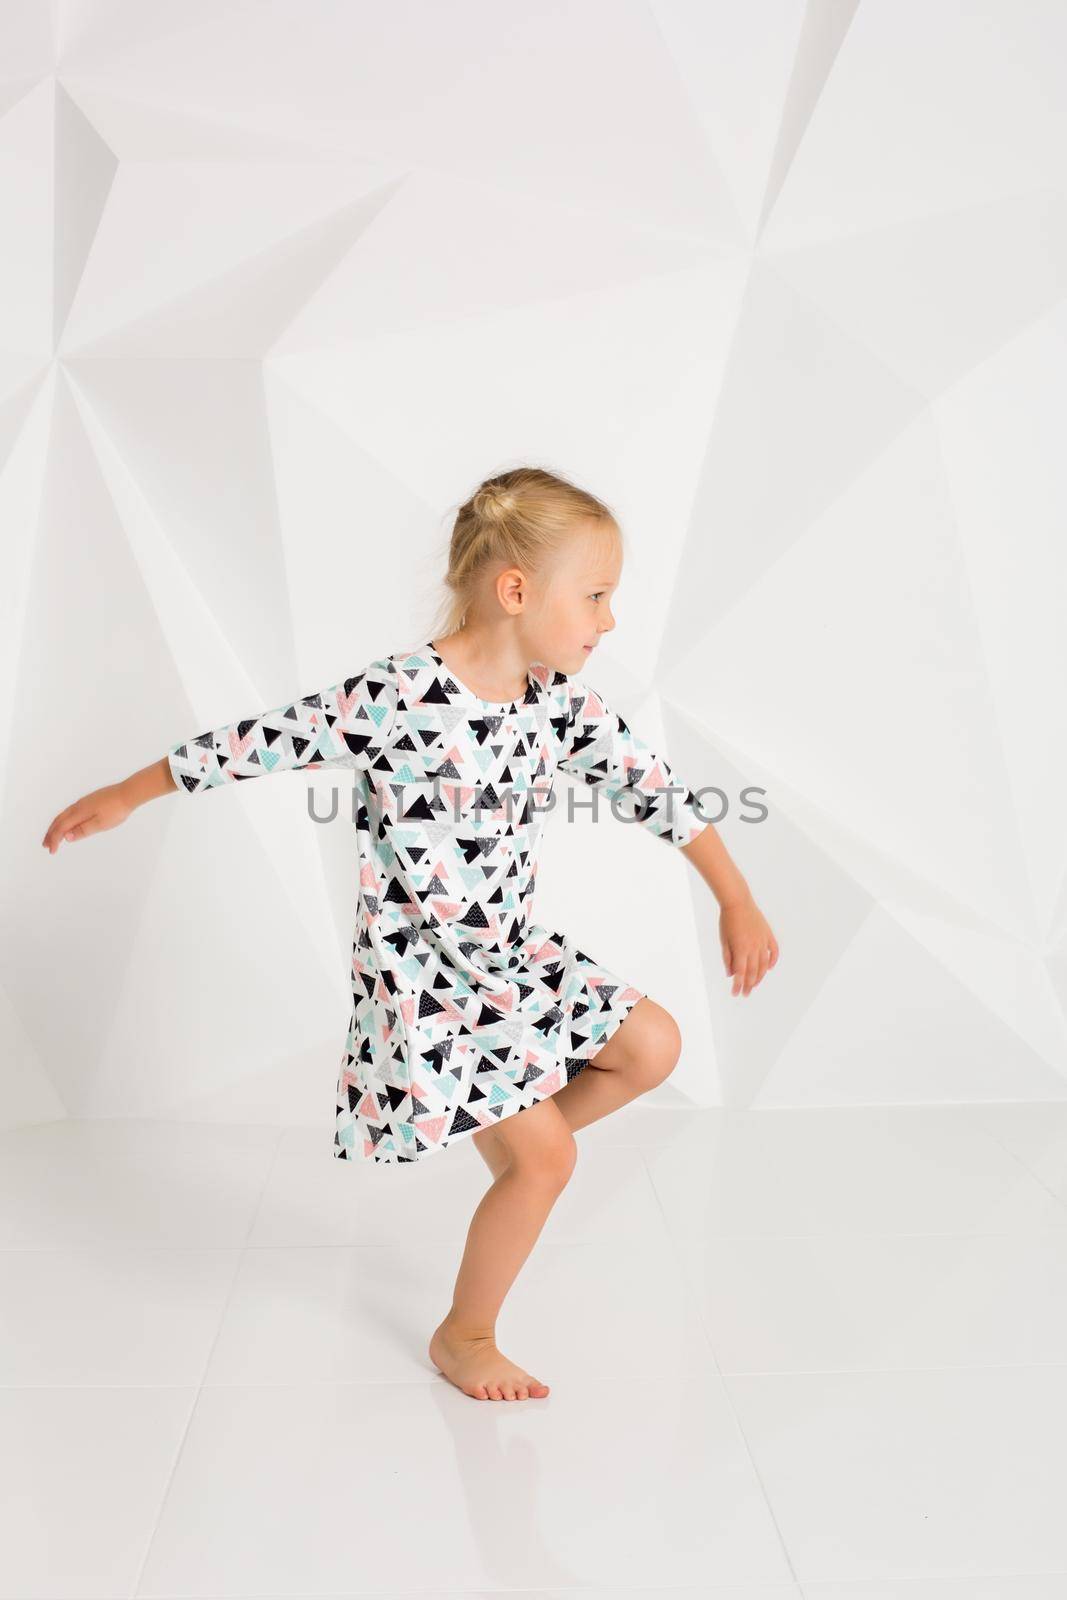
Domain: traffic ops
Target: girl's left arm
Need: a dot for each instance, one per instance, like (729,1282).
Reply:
(597,745)
(749,948)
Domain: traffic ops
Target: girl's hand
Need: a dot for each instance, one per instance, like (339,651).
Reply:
(104,808)
(749,947)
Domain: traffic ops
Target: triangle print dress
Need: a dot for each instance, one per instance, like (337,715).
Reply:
(464,1009)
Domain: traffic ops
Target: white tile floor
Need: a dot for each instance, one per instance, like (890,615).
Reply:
(811,1355)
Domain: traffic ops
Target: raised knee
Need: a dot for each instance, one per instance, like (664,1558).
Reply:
(661,1048)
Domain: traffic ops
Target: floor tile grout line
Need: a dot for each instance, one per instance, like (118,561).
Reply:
(235,1274)
(1060,1201)
(1053,1230)
(586,1378)
(693,1300)
(790,1589)
(727,1590)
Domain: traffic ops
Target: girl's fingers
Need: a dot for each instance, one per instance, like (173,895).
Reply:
(68,818)
(65,827)
(748,966)
(55,827)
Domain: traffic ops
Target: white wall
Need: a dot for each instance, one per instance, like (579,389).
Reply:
(785,284)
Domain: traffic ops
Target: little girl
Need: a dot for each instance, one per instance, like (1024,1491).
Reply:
(466,1012)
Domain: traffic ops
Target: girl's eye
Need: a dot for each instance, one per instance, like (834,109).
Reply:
(597,595)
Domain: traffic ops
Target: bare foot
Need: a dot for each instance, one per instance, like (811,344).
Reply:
(489,1147)
(477,1367)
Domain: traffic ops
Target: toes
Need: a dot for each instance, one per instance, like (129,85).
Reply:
(478,1392)
(522,1393)
(508,1391)
(494,1391)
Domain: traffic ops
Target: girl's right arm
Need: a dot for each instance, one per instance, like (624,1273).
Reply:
(344,725)
(107,807)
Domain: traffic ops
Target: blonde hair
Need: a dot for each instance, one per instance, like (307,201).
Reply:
(520,517)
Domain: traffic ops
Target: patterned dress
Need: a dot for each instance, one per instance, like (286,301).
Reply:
(464,1009)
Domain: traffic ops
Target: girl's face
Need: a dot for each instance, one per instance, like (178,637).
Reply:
(576,609)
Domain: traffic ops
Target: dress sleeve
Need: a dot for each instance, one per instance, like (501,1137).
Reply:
(599,747)
(346,725)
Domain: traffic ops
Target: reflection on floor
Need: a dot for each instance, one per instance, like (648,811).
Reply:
(816,1354)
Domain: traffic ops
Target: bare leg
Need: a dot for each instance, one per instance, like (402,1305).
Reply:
(530,1155)
(639,1054)
(539,1152)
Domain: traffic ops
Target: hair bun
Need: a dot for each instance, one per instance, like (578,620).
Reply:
(493,502)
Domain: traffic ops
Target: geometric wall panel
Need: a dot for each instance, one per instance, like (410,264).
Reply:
(277,290)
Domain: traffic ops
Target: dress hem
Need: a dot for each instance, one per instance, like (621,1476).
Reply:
(511,1108)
